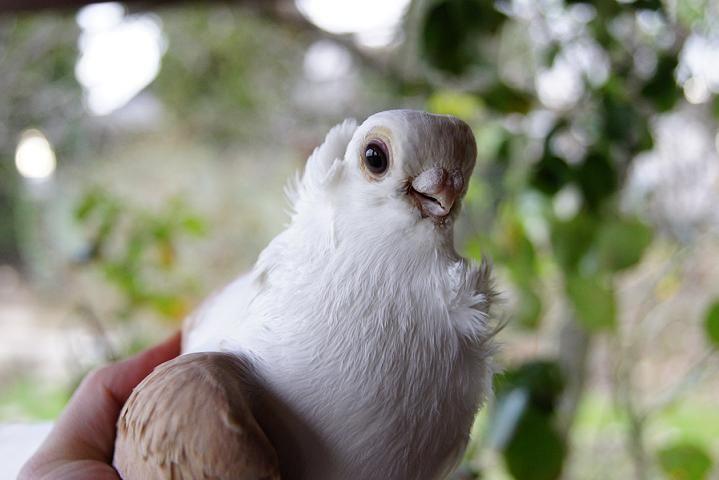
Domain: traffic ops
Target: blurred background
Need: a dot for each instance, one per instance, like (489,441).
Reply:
(144,148)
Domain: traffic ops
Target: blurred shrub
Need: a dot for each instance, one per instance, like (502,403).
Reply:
(553,195)
(136,251)
(523,424)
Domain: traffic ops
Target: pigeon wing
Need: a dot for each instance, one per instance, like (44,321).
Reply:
(192,418)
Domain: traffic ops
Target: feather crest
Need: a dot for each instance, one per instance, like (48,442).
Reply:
(324,164)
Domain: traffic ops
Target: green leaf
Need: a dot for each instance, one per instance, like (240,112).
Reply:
(522,424)
(541,378)
(623,125)
(685,461)
(619,114)
(168,305)
(194,225)
(88,204)
(475,248)
(517,250)
(461,105)
(451,33)
(597,179)
(711,324)
(551,174)
(507,411)
(572,239)
(536,450)
(593,301)
(621,243)
(662,90)
(505,99)
(529,309)
(551,53)
(647,5)
(442,30)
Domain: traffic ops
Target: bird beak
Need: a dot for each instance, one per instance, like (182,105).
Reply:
(435,190)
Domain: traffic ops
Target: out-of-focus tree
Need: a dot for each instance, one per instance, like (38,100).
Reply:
(243,59)
(561,95)
(136,252)
(37,61)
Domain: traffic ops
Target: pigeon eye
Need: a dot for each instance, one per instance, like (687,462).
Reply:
(375,157)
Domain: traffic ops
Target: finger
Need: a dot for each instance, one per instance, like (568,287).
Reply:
(86,429)
(128,373)
(93,410)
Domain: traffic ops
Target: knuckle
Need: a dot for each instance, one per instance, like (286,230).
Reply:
(97,377)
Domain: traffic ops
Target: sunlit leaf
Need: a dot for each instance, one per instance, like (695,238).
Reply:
(461,105)
(474,249)
(685,461)
(517,250)
(172,307)
(593,301)
(711,324)
(194,225)
(87,205)
(167,254)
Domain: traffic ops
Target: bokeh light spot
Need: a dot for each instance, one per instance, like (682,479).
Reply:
(34,157)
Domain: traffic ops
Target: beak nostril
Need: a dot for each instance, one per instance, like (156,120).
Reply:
(456,180)
(435,191)
(430,181)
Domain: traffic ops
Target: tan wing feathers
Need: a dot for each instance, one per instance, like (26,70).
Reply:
(191,419)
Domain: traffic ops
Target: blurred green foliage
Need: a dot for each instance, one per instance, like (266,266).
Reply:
(24,399)
(586,245)
(230,63)
(522,425)
(685,461)
(453,32)
(136,251)
(37,61)
(711,324)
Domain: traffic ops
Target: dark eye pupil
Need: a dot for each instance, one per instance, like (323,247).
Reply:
(375,159)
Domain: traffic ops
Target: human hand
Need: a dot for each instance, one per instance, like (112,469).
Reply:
(81,443)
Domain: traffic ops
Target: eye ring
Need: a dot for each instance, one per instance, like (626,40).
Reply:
(375,157)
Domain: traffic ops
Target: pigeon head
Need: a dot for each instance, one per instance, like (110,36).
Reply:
(412,161)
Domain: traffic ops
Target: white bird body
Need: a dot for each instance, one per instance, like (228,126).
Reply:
(364,326)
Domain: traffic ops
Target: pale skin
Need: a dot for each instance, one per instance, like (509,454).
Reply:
(81,443)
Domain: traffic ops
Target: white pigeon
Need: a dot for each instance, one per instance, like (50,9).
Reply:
(366,335)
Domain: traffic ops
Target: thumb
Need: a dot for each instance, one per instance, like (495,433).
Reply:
(86,429)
